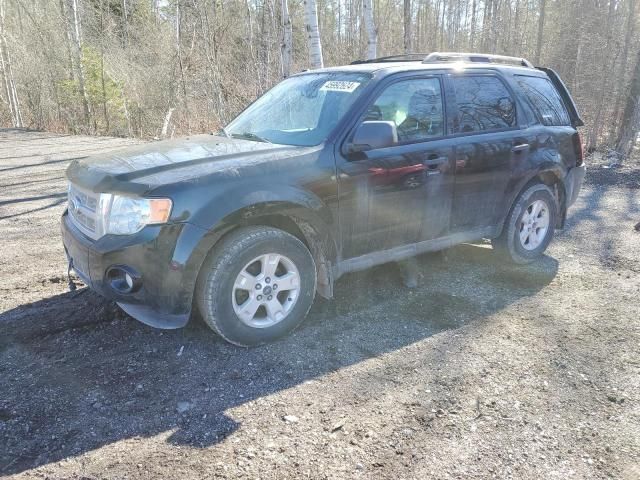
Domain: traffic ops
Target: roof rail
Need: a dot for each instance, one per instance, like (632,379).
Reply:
(437,57)
(409,57)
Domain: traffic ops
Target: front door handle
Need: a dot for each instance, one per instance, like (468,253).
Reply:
(434,162)
(520,148)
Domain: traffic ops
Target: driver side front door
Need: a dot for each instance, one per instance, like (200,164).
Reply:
(399,194)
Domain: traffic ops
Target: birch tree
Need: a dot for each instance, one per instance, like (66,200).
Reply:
(313,34)
(7,73)
(162,67)
(372,31)
(76,36)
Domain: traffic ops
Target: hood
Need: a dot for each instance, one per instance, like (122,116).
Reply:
(141,168)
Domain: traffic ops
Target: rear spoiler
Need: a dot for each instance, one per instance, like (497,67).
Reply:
(576,121)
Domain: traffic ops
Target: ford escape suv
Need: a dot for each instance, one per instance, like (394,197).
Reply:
(331,171)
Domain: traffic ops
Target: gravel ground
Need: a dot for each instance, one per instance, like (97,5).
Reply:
(484,371)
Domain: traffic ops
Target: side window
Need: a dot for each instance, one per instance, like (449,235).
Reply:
(415,106)
(484,104)
(545,100)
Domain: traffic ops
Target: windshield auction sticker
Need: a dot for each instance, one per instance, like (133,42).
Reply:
(340,86)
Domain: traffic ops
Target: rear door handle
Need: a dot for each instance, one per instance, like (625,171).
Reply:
(520,147)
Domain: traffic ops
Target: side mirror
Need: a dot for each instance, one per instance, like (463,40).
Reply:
(374,134)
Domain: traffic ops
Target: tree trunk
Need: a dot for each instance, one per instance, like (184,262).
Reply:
(313,34)
(543,5)
(486,25)
(372,31)
(630,125)
(105,110)
(165,124)
(77,44)
(125,24)
(183,81)
(620,90)
(472,35)
(407,26)
(596,125)
(67,36)
(7,74)
(155,6)
(287,40)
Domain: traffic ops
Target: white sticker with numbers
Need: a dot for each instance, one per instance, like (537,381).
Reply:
(340,86)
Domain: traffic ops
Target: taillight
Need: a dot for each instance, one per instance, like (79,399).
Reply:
(578,148)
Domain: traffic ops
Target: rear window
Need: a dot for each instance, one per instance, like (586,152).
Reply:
(545,100)
(484,104)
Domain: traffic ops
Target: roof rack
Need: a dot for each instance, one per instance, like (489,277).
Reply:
(409,57)
(441,57)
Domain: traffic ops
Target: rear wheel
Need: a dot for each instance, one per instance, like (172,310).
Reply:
(530,225)
(256,286)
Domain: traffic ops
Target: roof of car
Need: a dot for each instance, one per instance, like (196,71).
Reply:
(396,67)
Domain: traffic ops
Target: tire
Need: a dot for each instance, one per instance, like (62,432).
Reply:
(222,293)
(525,237)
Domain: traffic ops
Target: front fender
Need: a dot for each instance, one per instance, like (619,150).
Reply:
(217,218)
(230,206)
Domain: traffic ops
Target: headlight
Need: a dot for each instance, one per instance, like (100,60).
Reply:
(128,215)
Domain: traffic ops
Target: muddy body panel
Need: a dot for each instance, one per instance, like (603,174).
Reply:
(353,208)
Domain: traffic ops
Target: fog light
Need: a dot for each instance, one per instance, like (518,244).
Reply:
(123,279)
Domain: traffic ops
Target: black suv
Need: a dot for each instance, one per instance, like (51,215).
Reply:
(331,171)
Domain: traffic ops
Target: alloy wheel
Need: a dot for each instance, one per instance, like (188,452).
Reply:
(534,225)
(266,290)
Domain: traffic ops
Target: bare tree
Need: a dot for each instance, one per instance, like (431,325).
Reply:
(370,26)
(76,36)
(631,22)
(630,125)
(152,67)
(287,40)
(605,62)
(406,12)
(313,34)
(125,22)
(7,73)
(543,4)
(472,34)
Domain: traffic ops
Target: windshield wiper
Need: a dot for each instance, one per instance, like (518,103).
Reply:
(250,136)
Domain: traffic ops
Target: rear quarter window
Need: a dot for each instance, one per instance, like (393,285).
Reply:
(545,99)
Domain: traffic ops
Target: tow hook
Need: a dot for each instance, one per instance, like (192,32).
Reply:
(72,286)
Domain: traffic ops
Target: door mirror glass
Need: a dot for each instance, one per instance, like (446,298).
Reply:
(374,134)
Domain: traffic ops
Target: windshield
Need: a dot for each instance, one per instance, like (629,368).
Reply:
(300,110)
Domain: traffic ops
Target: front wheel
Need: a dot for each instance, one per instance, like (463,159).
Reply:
(530,225)
(256,286)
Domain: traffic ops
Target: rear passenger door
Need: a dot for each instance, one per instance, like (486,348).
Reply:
(489,146)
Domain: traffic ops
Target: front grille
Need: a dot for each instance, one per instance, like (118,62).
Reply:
(83,210)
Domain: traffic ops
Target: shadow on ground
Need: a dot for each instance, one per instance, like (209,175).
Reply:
(77,374)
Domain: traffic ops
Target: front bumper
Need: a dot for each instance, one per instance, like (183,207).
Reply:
(573,183)
(165,296)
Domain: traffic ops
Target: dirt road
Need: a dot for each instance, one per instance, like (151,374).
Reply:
(484,371)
